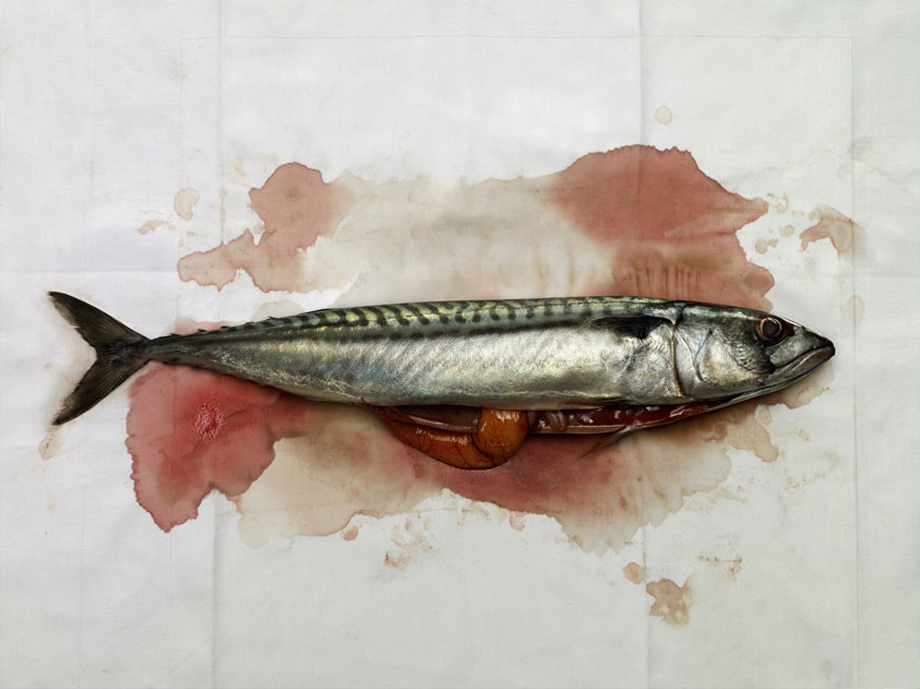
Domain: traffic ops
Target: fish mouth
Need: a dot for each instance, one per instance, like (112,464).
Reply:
(802,365)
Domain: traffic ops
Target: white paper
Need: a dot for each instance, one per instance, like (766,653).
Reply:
(110,110)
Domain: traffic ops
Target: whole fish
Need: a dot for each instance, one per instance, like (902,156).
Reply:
(550,365)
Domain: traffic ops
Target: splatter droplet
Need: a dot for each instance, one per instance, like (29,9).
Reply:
(152,225)
(763,245)
(185,201)
(634,572)
(672,602)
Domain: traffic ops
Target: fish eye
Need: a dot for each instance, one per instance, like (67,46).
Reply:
(771,330)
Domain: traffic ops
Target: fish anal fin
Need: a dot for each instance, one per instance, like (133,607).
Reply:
(609,439)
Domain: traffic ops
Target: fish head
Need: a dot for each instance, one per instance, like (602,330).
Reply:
(725,352)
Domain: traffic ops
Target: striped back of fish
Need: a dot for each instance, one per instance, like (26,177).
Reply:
(419,319)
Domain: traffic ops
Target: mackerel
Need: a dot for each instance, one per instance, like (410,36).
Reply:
(524,354)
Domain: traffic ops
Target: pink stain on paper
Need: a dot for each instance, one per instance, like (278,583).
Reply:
(296,206)
(192,431)
(674,228)
(671,232)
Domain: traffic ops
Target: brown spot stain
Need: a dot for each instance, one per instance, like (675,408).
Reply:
(52,442)
(806,390)
(742,430)
(409,540)
(634,572)
(763,245)
(855,308)
(816,469)
(732,565)
(155,224)
(672,602)
(185,201)
(517,520)
(780,202)
(844,234)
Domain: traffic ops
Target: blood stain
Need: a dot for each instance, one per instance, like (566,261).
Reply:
(674,229)
(208,421)
(191,431)
(665,228)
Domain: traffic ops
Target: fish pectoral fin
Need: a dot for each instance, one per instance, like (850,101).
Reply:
(609,440)
(498,436)
(629,326)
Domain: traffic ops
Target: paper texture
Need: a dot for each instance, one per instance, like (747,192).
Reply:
(132,137)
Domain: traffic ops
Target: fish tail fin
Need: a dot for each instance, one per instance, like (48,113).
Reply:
(116,359)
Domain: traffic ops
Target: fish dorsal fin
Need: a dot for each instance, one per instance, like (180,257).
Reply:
(630,326)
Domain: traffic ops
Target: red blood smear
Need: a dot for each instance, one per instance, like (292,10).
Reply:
(190,431)
(296,206)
